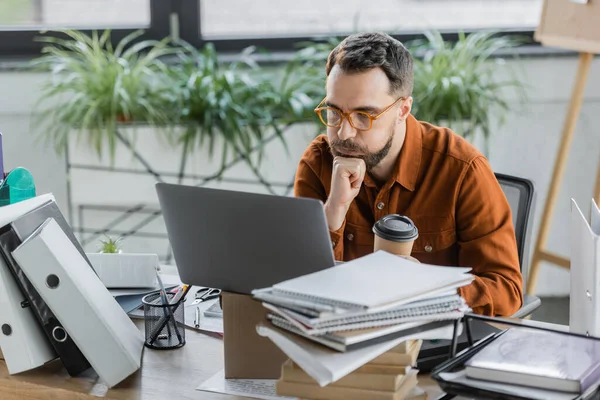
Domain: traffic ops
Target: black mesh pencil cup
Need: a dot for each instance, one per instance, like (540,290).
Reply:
(165,323)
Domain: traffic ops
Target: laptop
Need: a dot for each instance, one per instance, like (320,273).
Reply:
(240,241)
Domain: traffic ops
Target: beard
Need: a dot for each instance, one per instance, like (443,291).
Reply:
(341,148)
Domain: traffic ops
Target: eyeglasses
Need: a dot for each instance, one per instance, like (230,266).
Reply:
(359,120)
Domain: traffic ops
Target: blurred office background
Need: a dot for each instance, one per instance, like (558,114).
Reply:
(116,196)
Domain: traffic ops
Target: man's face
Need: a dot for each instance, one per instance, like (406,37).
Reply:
(365,91)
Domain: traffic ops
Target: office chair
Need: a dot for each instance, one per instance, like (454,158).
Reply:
(520,194)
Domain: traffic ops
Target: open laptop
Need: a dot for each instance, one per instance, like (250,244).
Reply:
(239,241)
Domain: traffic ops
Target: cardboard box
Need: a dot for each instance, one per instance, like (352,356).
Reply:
(247,355)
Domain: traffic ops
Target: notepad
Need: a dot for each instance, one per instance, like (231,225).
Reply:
(375,282)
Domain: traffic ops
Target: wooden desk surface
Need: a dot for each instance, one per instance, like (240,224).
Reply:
(166,374)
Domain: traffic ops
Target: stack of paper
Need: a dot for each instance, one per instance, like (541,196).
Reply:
(366,301)
(333,322)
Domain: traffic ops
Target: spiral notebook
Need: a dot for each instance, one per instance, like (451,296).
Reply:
(365,322)
(348,341)
(376,282)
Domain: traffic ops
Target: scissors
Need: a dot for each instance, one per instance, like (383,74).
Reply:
(206,294)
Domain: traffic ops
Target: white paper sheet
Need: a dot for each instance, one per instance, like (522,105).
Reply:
(326,365)
(255,388)
(207,324)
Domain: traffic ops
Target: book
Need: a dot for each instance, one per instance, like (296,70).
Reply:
(393,358)
(330,392)
(326,365)
(358,380)
(404,347)
(352,340)
(537,358)
(372,282)
(384,369)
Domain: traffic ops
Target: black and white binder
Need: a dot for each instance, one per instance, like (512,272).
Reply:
(70,355)
(89,313)
(23,343)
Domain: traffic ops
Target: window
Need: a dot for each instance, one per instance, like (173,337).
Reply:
(75,13)
(273,25)
(267,18)
(22,20)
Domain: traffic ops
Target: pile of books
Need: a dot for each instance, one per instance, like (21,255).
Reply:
(368,312)
(389,376)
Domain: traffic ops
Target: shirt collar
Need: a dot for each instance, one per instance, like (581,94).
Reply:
(406,170)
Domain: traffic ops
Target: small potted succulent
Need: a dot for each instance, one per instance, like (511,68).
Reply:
(119,270)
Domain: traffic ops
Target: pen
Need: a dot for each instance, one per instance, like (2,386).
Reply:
(163,296)
(168,312)
(179,294)
(197,320)
(163,321)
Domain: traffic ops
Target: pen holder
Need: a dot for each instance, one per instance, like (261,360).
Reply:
(165,323)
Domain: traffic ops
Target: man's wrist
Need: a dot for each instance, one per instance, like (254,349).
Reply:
(335,216)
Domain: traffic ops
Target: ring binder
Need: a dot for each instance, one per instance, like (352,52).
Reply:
(68,352)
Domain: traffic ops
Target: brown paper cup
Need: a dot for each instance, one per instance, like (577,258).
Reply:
(395,234)
(397,248)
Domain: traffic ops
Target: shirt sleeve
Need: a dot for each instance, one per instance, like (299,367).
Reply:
(487,243)
(308,184)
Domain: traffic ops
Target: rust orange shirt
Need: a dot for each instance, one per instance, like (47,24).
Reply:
(446,186)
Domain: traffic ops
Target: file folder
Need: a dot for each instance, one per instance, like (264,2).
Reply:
(23,342)
(67,351)
(584,306)
(90,315)
(70,355)
(26,224)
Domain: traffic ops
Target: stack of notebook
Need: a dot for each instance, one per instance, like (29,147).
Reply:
(369,314)
(389,376)
(366,301)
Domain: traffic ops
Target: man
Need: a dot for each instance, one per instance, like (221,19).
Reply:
(377,159)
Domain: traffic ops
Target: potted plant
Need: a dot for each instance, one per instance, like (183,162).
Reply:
(118,269)
(95,88)
(235,103)
(457,85)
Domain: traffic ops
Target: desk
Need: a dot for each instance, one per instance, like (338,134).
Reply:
(166,374)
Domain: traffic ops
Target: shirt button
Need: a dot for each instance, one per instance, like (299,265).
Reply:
(380,205)
(428,248)
(350,237)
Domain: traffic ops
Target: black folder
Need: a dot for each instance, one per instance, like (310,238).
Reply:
(70,355)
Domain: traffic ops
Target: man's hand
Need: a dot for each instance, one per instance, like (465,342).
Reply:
(346,180)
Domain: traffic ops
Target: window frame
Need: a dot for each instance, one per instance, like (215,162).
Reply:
(182,18)
(190,22)
(19,42)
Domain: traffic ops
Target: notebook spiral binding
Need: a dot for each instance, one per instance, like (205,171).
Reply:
(395,314)
(318,300)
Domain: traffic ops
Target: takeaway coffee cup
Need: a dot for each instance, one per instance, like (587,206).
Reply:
(395,234)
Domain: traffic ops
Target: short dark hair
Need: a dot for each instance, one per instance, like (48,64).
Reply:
(363,51)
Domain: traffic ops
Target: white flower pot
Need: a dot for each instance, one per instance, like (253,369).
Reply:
(125,270)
